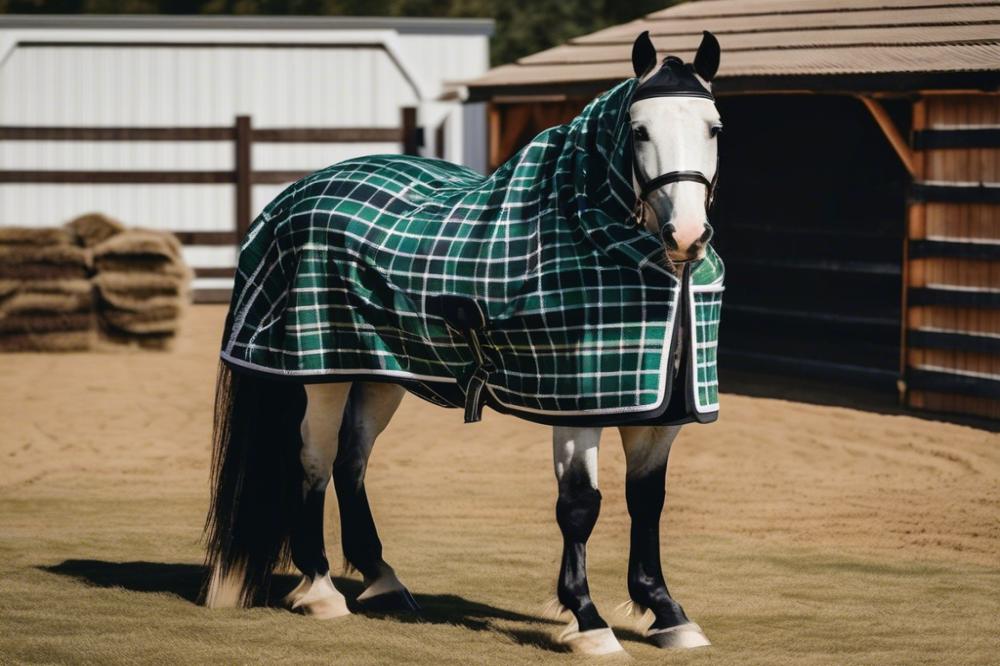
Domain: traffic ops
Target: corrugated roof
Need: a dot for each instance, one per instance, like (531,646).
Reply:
(778,43)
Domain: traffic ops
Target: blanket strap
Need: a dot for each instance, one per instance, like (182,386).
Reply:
(474,389)
(464,315)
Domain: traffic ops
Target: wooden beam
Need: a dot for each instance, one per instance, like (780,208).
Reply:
(117,177)
(411,138)
(15,133)
(212,295)
(206,237)
(891,132)
(214,272)
(328,135)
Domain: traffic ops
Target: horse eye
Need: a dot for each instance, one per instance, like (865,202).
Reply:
(715,130)
(640,134)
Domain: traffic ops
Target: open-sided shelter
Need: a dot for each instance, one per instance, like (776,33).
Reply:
(859,202)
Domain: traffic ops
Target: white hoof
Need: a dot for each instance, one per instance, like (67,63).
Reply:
(319,598)
(386,583)
(293,597)
(387,594)
(226,591)
(594,642)
(687,635)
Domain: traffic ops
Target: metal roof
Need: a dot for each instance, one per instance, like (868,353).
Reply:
(784,44)
(403,25)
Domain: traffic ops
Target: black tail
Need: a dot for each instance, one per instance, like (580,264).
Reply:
(256,479)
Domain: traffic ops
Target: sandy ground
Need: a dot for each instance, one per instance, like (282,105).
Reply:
(795,533)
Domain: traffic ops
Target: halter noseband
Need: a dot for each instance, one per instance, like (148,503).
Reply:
(648,186)
(674,79)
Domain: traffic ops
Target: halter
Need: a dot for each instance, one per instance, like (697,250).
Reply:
(674,79)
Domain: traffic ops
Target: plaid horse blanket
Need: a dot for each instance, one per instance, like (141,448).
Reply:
(530,290)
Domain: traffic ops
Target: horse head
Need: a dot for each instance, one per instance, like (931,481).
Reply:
(675,127)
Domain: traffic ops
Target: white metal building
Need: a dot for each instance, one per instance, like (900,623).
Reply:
(158,71)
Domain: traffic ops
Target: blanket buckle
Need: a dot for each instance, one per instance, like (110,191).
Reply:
(464,315)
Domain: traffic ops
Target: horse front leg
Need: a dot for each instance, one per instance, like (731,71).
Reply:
(646,452)
(575,456)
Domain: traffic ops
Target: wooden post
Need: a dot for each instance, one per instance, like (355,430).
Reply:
(439,139)
(408,124)
(493,120)
(244,174)
(915,229)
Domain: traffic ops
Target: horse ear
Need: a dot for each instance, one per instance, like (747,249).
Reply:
(706,61)
(643,55)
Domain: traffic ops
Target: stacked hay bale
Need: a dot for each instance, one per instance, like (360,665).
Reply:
(46,301)
(142,285)
(90,284)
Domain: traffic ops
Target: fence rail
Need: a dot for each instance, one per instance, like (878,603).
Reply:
(242,176)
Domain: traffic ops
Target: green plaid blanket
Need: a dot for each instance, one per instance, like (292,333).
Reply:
(528,290)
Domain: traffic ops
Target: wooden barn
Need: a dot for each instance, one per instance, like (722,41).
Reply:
(859,201)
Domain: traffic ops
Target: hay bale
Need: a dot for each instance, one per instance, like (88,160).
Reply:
(160,320)
(27,261)
(139,285)
(34,322)
(143,265)
(61,341)
(45,297)
(34,236)
(93,228)
(128,303)
(140,243)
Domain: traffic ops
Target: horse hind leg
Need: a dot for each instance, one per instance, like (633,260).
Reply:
(368,412)
(316,594)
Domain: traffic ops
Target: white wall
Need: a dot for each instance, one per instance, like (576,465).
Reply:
(312,80)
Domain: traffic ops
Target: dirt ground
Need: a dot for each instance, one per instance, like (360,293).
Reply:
(794,533)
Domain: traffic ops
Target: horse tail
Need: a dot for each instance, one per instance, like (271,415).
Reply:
(256,484)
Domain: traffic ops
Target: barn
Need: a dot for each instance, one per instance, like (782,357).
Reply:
(859,203)
(192,124)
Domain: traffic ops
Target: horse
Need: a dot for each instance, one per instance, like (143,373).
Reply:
(389,274)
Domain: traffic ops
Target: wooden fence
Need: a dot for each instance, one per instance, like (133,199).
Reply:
(243,176)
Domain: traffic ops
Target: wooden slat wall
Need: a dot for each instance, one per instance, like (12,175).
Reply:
(952,361)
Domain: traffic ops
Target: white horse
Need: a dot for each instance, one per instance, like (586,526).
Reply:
(674,136)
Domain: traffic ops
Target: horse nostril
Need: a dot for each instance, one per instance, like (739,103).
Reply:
(667,234)
(707,236)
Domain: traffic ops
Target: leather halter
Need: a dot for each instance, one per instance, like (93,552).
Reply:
(649,185)
(674,79)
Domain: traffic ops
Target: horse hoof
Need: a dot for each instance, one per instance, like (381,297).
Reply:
(395,601)
(688,635)
(292,598)
(318,598)
(595,642)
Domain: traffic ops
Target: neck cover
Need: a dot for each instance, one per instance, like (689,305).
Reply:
(527,290)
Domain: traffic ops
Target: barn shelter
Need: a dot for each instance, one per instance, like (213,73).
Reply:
(859,203)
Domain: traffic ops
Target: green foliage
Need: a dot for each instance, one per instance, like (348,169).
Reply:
(522,27)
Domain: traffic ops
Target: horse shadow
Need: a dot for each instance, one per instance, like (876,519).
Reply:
(186,582)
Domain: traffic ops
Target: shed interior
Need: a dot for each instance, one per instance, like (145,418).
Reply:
(810,220)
